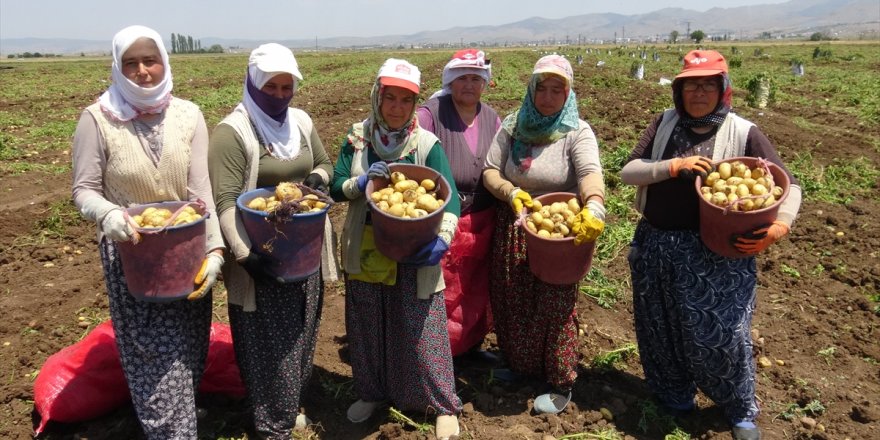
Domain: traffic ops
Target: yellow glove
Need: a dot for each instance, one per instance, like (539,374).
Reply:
(518,199)
(586,227)
(207,275)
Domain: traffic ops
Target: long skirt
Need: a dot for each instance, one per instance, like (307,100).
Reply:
(693,315)
(274,347)
(162,347)
(399,345)
(466,273)
(535,322)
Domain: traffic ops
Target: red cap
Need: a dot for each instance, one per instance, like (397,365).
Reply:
(703,63)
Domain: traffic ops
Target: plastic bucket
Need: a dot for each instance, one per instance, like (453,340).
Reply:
(719,226)
(396,237)
(557,261)
(295,245)
(162,266)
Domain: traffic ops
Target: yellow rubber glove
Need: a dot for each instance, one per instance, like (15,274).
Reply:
(586,227)
(207,275)
(518,199)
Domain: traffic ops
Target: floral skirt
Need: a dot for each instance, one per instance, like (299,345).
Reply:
(535,322)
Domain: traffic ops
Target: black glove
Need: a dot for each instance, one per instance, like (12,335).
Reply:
(257,266)
(315,182)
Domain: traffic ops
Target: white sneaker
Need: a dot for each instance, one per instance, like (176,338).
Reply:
(361,410)
(446,426)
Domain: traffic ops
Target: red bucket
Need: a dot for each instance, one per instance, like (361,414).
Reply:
(162,266)
(557,261)
(295,245)
(398,238)
(718,225)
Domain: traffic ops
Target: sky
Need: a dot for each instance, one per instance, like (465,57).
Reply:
(301,19)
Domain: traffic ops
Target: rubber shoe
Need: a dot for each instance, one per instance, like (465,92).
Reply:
(553,402)
(361,410)
(446,427)
(742,433)
(302,422)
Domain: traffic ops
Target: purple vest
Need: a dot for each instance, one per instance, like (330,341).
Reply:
(467,169)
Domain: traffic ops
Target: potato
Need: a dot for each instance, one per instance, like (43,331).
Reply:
(428,203)
(397,176)
(536,205)
(287,190)
(573,205)
(396,210)
(724,170)
(428,184)
(258,203)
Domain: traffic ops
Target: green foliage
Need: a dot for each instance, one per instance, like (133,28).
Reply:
(57,218)
(735,62)
(399,417)
(827,354)
(839,182)
(819,53)
(604,290)
(760,89)
(607,361)
(794,411)
(698,36)
(652,417)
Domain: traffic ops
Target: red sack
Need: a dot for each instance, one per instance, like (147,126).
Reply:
(221,370)
(82,381)
(85,380)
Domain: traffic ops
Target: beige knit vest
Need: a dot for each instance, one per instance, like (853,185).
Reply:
(130,176)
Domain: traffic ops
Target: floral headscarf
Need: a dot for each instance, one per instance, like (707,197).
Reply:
(391,144)
(716,117)
(125,100)
(528,127)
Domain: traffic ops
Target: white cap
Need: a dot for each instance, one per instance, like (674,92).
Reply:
(400,73)
(273,58)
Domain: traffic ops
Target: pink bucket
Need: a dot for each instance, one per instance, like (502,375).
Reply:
(295,245)
(557,261)
(398,238)
(719,226)
(163,265)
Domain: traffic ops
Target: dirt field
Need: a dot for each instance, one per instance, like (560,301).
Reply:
(815,322)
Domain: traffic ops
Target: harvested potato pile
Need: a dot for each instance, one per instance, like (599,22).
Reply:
(740,188)
(290,193)
(159,217)
(553,221)
(406,198)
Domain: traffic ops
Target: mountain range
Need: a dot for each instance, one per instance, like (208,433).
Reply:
(843,19)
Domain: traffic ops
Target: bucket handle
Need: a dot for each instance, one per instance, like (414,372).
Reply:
(137,230)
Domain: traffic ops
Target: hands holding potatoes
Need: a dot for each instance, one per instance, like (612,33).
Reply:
(589,223)
(690,167)
(519,199)
(115,226)
(430,254)
(761,238)
(377,169)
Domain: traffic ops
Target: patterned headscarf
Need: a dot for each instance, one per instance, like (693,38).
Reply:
(125,100)
(391,144)
(528,127)
(717,116)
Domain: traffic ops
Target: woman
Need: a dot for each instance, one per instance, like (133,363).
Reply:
(673,273)
(274,324)
(139,144)
(395,315)
(543,147)
(466,127)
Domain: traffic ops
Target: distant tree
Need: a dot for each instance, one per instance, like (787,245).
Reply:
(12,55)
(190,48)
(698,36)
(673,37)
(215,48)
(819,36)
(173,43)
(765,35)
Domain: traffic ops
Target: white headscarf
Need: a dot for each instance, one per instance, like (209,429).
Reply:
(125,100)
(266,61)
(464,62)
